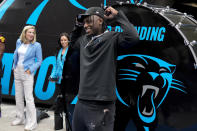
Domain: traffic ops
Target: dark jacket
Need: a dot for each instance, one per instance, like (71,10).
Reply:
(98,60)
(70,75)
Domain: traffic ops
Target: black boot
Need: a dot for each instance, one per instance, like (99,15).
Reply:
(67,122)
(58,113)
(58,118)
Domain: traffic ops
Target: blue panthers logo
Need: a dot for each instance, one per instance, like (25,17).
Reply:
(147,80)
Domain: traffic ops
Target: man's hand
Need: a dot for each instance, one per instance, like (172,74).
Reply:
(28,72)
(110,13)
(78,23)
(51,79)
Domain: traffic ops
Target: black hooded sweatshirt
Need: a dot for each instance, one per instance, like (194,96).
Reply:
(98,59)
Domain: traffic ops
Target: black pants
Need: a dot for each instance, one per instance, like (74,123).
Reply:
(60,108)
(60,100)
(93,116)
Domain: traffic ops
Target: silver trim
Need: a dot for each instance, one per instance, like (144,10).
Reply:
(177,26)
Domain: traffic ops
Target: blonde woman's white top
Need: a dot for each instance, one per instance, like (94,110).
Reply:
(21,53)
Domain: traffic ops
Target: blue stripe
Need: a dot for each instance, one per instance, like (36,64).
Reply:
(173,83)
(164,96)
(130,71)
(133,79)
(105,4)
(75,3)
(146,128)
(128,75)
(35,15)
(177,80)
(178,89)
(164,84)
(4,7)
(75,100)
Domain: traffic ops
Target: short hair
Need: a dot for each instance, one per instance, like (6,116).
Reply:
(22,36)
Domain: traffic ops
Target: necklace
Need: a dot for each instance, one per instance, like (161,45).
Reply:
(95,37)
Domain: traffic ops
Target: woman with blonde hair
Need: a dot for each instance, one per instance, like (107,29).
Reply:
(27,58)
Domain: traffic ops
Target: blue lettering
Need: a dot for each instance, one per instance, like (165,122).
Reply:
(143,33)
(118,29)
(45,95)
(161,34)
(154,33)
(7,66)
(138,29)
(148,34)
(109,28)
(13,89)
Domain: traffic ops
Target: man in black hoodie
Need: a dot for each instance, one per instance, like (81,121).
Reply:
(95,109)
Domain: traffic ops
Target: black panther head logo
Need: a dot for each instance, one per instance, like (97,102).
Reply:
(147,80)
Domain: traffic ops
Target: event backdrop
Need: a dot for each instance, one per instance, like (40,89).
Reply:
(156,79)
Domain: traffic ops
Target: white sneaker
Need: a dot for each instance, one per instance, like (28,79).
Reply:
(27,129)
(30,128)
(17,122)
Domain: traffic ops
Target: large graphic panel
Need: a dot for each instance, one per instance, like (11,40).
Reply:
(147,81)
(157,80)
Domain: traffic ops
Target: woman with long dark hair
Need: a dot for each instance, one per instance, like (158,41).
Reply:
(56,77)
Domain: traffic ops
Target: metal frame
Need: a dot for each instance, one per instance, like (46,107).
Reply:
(161,10)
